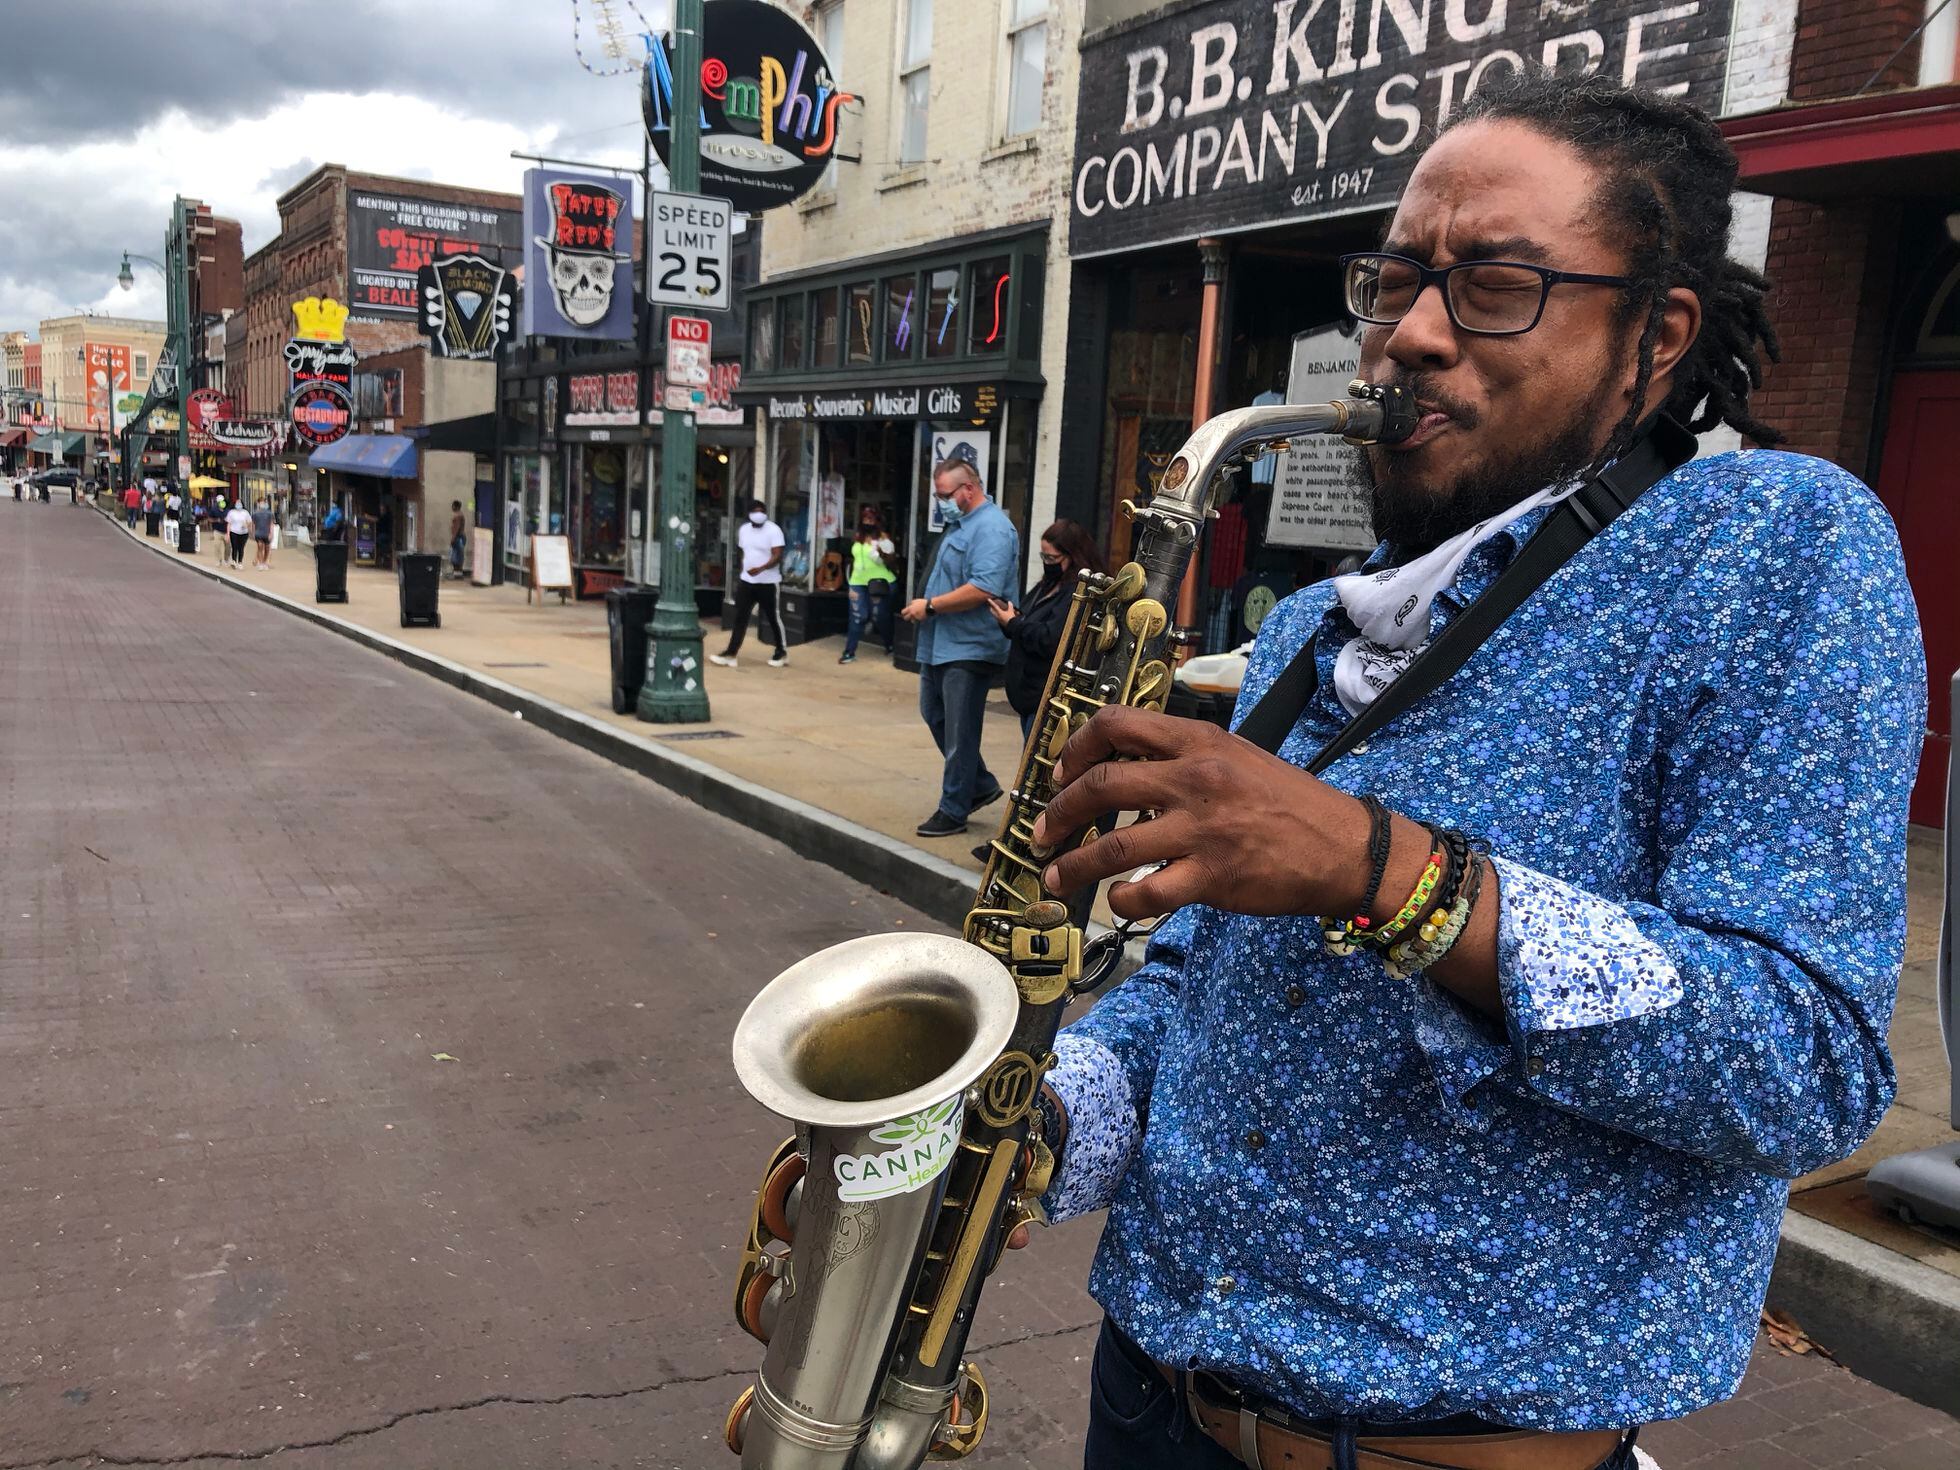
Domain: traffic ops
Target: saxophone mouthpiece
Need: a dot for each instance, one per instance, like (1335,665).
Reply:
(1399,414)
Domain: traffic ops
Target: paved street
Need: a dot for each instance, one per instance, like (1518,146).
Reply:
(366,1095)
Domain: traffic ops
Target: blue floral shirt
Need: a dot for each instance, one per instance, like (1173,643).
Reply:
(1690,753)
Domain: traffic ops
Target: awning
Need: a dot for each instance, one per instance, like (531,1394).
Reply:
(390,456)
(59,445)
(475,435)
(12,437)
(1893,144)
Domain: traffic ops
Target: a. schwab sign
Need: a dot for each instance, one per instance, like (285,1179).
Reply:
(1225,115)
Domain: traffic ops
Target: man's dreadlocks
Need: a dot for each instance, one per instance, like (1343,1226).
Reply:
(1666,176)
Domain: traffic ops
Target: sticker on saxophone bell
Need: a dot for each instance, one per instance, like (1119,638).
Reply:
(922,1145)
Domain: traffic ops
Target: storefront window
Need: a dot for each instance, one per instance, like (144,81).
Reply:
(600,496)
(792,476)
(858,304)
(942,312)
(901,317)
(823,329)
(987,322)
(762,337)
(790,309)
(523,474)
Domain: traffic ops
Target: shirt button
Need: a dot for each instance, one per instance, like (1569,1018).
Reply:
(1534,1066)
(1255,1140)
(1296,995)
(1227,1284)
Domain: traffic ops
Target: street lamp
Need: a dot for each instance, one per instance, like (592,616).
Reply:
(126,278)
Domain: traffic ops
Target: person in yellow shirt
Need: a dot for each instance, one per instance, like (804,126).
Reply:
(870,582)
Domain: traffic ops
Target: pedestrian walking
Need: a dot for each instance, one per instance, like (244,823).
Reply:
(135,502)
(238,526)
(870,585)
(961,647)
(262,533)
(760,545)
(458,536)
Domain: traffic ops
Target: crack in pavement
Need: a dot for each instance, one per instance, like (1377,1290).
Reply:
(364,1431)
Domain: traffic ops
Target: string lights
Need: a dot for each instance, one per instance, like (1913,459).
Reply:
(615,37)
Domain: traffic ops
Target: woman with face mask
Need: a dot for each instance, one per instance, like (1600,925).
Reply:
(871,583)
(1034,630)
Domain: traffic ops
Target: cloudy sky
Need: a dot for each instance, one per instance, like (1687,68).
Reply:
(110,107)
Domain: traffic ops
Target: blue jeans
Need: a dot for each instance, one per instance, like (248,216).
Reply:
(953,702)
(1138,1422)
(871,606)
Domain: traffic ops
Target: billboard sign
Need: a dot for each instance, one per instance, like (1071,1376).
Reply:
(391,237)
(108,382)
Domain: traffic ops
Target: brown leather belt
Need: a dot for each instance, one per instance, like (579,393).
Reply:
(1265,1438)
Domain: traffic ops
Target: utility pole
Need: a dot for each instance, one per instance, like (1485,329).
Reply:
(177,256)
(675,691)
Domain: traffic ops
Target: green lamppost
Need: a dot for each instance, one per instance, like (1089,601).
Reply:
(675,690)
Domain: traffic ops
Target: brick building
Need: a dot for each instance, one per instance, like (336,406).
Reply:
(1860,151)
(914,304)
(358,239)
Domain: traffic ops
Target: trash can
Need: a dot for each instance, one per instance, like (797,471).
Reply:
(418,574)
(330,571)
(187,535)
(153,520)
(628,611)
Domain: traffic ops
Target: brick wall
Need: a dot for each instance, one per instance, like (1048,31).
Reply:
(968,181)
(1830,266)
(1840,43)
(1830,273)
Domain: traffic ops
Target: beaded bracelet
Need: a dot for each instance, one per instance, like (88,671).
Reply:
(1408,960)
(1432,874)
(1346,938)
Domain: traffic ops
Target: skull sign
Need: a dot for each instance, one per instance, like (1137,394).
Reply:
(582,251)
(583,283)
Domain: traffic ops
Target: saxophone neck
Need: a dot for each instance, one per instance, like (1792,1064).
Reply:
(1190,482)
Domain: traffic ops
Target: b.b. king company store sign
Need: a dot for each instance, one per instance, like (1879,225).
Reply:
(1225,115)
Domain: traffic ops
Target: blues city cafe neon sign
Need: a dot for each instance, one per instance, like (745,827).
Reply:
(769,105)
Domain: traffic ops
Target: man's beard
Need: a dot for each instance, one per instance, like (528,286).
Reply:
(1415,515)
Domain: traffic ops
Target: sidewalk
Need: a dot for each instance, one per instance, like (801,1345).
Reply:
(848,741)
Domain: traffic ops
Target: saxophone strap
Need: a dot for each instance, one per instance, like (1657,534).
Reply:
(1661,447)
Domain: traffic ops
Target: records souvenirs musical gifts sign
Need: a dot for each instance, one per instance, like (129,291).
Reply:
(769,105)
(321,403)
(578,260)
(466,305)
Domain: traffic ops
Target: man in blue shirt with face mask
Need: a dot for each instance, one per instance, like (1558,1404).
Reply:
(961,647)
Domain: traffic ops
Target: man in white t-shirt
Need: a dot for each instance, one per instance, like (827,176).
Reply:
(761,542)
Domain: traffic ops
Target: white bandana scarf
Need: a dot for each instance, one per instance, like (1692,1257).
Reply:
(1391,606)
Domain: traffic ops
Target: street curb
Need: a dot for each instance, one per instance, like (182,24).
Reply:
(927,883)
(1885,1316)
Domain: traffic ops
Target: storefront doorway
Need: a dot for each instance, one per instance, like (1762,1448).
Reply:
(1915,480)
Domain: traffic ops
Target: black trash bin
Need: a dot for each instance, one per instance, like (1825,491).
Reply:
(187,533)
(330,571)
(419,574)
(153,521)
(628,611)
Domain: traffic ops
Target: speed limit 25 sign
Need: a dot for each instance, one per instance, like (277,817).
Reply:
(688,239)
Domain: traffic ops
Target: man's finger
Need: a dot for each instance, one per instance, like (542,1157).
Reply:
(1120,730)
(1165,891)
(1113,786)
(1122,851)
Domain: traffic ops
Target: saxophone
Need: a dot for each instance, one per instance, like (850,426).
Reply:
(909,1063)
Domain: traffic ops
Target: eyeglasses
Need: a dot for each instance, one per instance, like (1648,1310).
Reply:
(1487,298)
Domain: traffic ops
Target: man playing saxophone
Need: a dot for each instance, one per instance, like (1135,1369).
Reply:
(1453,1114)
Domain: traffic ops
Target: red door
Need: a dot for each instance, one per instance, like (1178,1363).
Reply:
(1919,481)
